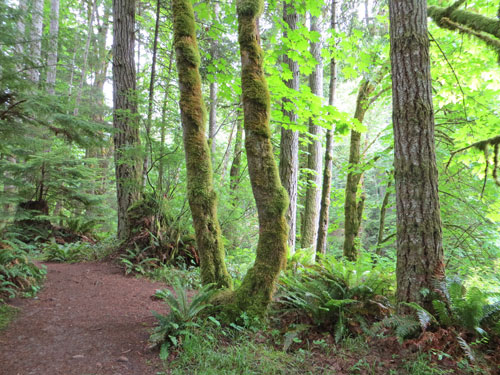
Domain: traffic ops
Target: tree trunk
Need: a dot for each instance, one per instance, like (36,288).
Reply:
(149,148)
(383,211)
(327,173)
(53,39)
(85,56)
(271,199)
(419,238)
(289,144)
(36,39)
(201,194)
(125,118)
(234,172)
(212,117)
(315,158)
(161,164)
(21,27)
(353,207)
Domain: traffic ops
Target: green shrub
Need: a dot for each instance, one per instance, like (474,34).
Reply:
(18,274)
(338,295)
(183,315)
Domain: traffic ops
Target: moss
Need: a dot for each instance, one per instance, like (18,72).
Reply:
(255,89)
(201,195)
(257,288)
(190,54)
(184,23)
(251,8)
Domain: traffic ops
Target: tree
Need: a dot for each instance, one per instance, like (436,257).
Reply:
(52,51)
(419,237)
(36,39)
(125,118)
(310,222)
(271,199)
(353,207)
(289,143)
(327,173)
(201,195)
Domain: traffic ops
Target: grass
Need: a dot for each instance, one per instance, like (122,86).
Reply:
(7,314)
(208,354)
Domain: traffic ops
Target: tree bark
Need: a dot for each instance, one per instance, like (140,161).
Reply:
(271,199)
(85,56)
(149,148)
(21,27)
(36,39)
(212,117)
(53,41)
(201,195)
(353,207)
(125,118)
(383,211)
(234,172)
(310,222)
(419,238)
(289,143)
(327,173)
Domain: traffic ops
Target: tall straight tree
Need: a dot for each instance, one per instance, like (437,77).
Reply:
(289,143)
(214,87)
(419,238)
(327,173)
(152,77)
(201,195)
(125,118)
(53,41)
(36,39)
(271,199)
(310,222)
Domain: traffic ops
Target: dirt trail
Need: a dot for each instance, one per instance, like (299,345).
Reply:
(88,319)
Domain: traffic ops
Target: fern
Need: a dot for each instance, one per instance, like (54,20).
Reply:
(182,317)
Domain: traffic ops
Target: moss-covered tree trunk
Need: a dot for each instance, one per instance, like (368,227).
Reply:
(353,207)
(271,199)
(289,142)
(201,194)
(327,172)
(309,230)
(419,237)
(125,117)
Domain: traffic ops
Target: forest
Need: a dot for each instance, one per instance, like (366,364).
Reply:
(249,187)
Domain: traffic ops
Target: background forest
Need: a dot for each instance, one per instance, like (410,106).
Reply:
(89,115)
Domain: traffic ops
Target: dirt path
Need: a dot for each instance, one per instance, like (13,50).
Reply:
(88,319)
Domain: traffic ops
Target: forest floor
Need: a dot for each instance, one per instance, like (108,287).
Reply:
(88,319)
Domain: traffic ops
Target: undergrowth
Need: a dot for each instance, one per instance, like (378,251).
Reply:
(18,274)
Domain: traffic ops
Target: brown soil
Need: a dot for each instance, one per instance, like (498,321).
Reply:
(88,319)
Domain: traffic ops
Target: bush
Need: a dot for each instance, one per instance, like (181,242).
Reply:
(339,296)
(18,274)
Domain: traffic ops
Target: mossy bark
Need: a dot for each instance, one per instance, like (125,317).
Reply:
(484,28)
(271,199)
(353,207)
(201,194)
(420,264)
